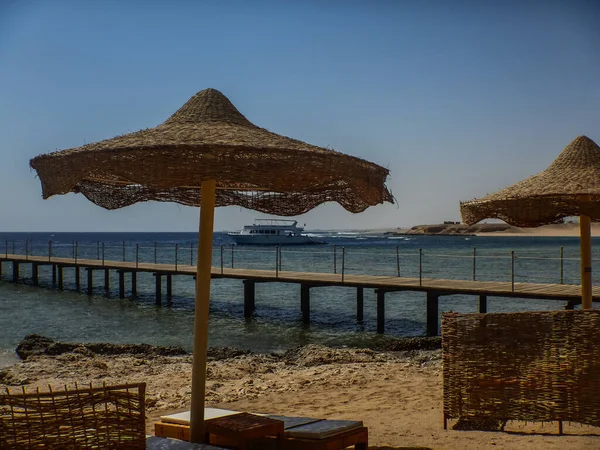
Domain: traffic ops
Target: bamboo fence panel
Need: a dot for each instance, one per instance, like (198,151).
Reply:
(105,417)
(530,366)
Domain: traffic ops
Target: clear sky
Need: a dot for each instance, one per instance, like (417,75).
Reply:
(457,99)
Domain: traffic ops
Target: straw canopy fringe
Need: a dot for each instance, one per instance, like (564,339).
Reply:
(570,186)
(208,138)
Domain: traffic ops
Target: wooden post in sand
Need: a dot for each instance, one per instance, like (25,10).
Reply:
(585,245)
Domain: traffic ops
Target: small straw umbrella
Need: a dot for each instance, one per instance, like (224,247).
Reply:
(208,154)
(570,186)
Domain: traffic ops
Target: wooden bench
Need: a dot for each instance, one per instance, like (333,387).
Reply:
(300,433)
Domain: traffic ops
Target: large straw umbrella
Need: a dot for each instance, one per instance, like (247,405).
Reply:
(208,154)
(570,186)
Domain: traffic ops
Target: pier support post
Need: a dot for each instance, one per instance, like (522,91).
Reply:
(107,281)
(483,303)
(60,271)
(158,277)
(570,305)
(249,297)
(77,278)
(90,280)
(53,275)
(380,311)
(35,274)
(305,302)
(432,313)
(169,289)
(360,308)
(121,284)
(15,267)
(133,284)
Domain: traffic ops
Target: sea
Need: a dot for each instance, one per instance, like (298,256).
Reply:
(277,324)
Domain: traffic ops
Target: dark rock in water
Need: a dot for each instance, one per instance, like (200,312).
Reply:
(58,348)
(412,343)
(135,349)
(221,353)
(34,344)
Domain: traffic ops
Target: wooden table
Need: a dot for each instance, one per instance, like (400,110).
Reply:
(238,429)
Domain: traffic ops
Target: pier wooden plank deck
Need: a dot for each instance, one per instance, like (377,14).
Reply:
(386,283)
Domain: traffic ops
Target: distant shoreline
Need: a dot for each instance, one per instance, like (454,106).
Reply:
(487,229)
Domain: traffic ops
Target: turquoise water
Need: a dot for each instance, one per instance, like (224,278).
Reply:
(277,325)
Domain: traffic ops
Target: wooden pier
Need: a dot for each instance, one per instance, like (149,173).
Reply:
(434,288)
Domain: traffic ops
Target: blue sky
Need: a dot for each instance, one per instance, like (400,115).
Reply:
(457,99)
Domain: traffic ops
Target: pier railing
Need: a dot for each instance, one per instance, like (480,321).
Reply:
(473,264)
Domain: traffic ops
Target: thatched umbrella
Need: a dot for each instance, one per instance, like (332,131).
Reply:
(570,186)
(208,154)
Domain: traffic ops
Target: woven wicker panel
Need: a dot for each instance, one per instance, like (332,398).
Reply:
(75,418)
(532,366)
(209,139)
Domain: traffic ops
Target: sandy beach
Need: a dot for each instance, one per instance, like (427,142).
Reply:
(398,395)
(561,230)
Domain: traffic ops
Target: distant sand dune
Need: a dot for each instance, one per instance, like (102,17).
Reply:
(491,229)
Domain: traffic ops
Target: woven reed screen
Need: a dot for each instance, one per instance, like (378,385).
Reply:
(532,366)
(107,417)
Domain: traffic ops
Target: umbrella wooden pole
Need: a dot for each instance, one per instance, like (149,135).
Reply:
(585,243)
(203,272)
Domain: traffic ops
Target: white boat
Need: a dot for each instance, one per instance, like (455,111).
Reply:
(273,232)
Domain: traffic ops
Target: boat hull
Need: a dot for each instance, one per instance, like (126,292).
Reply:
(241,239)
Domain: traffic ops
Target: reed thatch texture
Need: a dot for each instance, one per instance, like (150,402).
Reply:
(532,366)
(106,417)
(208,138)
(570,186)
